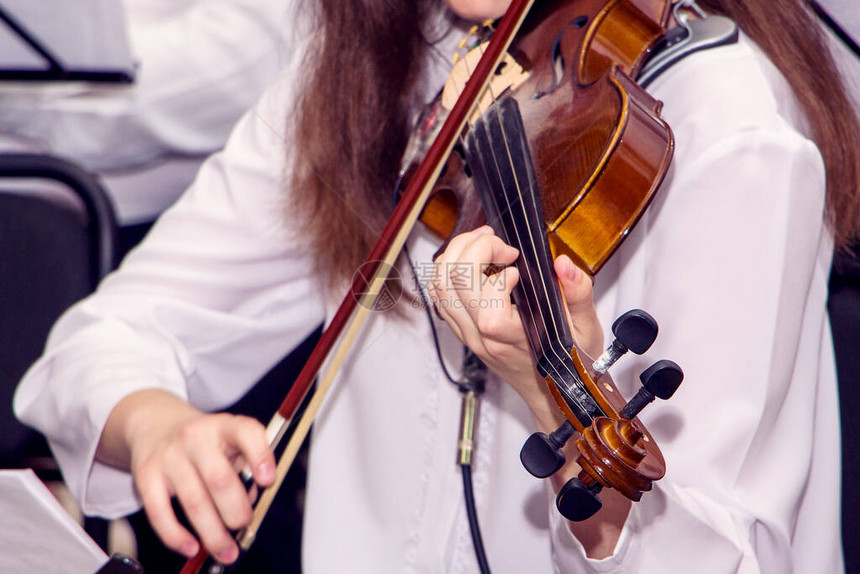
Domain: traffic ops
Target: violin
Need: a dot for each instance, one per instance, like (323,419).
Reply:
(564,158)
(583,151)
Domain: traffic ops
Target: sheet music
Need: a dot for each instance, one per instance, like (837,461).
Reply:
(87,35)
(37,534)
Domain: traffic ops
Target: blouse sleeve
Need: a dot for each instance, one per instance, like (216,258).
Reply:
(218,292)
(732,260)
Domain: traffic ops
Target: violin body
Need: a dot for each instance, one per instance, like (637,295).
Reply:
(599,147)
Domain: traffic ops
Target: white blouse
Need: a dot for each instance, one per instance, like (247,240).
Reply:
(732,260)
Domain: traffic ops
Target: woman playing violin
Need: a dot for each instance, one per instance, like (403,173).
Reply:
(731,258)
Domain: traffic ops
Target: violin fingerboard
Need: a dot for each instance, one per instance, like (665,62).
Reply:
(497,153)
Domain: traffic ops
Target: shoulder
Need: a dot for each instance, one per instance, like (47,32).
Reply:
(740,147)
(726,94)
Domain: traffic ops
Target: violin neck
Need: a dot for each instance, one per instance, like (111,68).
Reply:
(498,154)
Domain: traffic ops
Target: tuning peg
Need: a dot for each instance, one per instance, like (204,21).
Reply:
(576,501)
(541,454)
(634,331)
(660,380)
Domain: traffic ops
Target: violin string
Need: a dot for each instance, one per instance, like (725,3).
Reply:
(458,88)
(529,243)
(535,252)
(557,350)
(556,332)
(494,98)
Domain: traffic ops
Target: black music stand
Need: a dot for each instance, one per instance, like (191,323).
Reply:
(44,64)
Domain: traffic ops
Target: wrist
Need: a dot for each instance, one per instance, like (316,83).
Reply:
(139,419)
(545,412)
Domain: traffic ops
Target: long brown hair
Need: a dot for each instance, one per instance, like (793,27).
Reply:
(354,113)
(366,58)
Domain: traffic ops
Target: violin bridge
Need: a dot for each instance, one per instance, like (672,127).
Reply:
(509,75)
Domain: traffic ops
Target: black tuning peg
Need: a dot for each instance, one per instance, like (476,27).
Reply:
(541,454)
(634,331)
(576,502)
(660,380)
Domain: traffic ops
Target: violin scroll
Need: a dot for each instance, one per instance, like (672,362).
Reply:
(611,451)
(615,450)
(634,331)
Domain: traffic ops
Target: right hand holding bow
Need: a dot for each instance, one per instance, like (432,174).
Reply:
(173,449)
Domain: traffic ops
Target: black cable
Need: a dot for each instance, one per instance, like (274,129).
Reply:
(474,377)
(473,381)
(425,302)
(471,513)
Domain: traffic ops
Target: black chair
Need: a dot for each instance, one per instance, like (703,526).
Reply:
(844,309)
(55,247)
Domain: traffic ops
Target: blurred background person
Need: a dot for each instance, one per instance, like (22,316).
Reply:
(200,65)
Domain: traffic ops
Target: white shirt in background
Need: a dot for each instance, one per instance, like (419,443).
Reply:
(202,64)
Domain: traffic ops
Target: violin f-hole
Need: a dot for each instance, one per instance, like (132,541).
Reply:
(557,57)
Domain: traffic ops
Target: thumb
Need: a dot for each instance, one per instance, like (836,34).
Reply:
(576,286)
